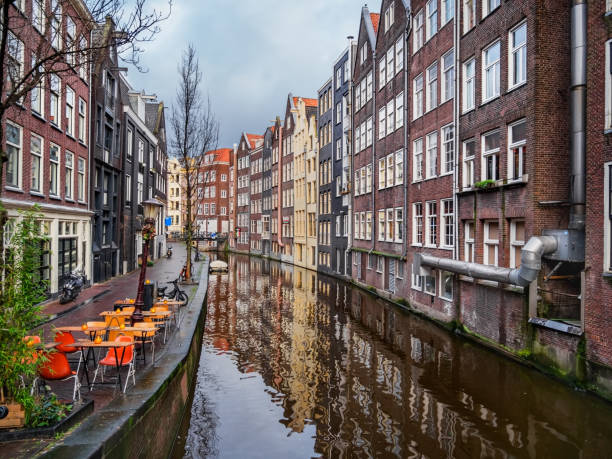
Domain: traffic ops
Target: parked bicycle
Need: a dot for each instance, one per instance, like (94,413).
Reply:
(175,294)
(183,274)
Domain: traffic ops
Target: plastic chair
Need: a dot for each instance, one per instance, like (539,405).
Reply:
(149,337)
(125,357)
(66,340)
(57,368)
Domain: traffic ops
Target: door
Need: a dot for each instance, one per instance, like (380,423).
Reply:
(392,276)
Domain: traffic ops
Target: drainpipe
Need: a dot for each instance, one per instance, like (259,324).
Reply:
(351,162)
(456,109)
(374,213)
(407,32)
(577,114)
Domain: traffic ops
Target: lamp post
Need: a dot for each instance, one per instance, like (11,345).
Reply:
(150,207)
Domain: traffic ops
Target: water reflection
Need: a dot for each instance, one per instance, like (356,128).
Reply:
(300,365)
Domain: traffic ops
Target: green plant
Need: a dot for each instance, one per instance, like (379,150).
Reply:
(483,184)
(48,410)
(21,291)
(149,263)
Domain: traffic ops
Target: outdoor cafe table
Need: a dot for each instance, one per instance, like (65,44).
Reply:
(138,332)
(93,330)
(82,343)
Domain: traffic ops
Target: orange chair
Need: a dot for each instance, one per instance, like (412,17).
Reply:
(124,357)
(57,368)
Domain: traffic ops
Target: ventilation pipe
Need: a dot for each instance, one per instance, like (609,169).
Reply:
(561,245)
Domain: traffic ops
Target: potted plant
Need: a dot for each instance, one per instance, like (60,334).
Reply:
(21,291)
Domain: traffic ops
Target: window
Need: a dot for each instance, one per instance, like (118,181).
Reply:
(130,141)
(382,183)
(140,188)
(381,225)
(224,177)
(469,15)
(448,149)
(448,10)
(448,76)
(55,99)
(431,97)
(390,116)
(36,149)
(38,17)
(83,58)
(417,40)
(363,53)
(417,223)
(432,224)
(16,59)
(417,162)
(399,110)
(56,25)
(488,6)
(517,241)
(140,151)
(69,175)
(517,62)
(432,154)
(368,187)
(432,19)
(607,198)
(490,156)
(81,181)
(469,84)
(446,285)
(448,223)
(54,155)
(82,123)
(368,228)
(382,122)
(399,54)
(389,16)
(338,112)
(70,41)
(399,224)
(369,86)
(380,264)
(368,133)
(37,94)
(430,283)
(417,97)
(491,72)
(390,169)
(69,111)
(390,220)
(468,242)
(338,77)
(469,149)
(491,243)
(517,140)
(399,167)
(382,72)
(417,281)
(357,228)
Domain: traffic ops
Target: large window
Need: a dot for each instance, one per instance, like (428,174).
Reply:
(382,182)
(431,97)
(391,116)
(69,111)
(399,54)
(448,223)
(490,156)
(399,110)
(448,76)
(469,150)
(417,97)
(468,242)
(417,39)
(67,256)
(399,224)
(381,225)
(54,158)
(432,19)
(37,95)
(399,167)
(432,154)
(81,180)
(368,228)
(469,85)
(448,149)
(517,149)
(488,6)
(382,72)
(431,229)
(491,72)
(389,16)
(14,152)
(382,122)
(55,99)
(517,71)
(491,243)
(36,175)
(517,241)
(38,15)
(15,51)
(417,160)
(82,120)
(69,175)
(446,285)
(417,223)
(390,225)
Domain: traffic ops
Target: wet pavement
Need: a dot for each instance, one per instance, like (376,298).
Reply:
(87,307)
(296,364)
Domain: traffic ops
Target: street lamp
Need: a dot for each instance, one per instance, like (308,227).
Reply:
(150,207)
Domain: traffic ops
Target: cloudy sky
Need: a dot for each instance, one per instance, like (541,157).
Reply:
(252,53)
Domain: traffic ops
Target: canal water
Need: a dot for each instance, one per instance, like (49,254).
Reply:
(297,365)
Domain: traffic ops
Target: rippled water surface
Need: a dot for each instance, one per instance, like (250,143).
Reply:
(299,365)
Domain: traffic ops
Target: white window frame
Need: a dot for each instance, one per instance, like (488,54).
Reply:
(417,97)
(417,160)
(448,11)
(468,164)
(447,85)
(607,200)
(390,116)
(399,110)
(443,276)
(495,153)
(487,241)
(390,225)
(431,24)
(382,72)
(399,225)
(389,16)
(399,54)
(399,167)
(516,243)
(494,67)
(382,173)
(488,6)
(469,10)
(390,163)
(469,240)
(469,85)
(57,163)
(417,40)
(416,282)
(70,101)
(433,275)
(40,155)
(447,223)
(431,222)
(381,224)
(431,92)
(417,224)
(447,158)
(368,228)
(69,175)
(382,122)
(82,134)
(431,154)
(521,51)
(521,147)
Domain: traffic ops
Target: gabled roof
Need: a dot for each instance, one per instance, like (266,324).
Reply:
(252,140)
(375,17)
(222,154)
(307,102)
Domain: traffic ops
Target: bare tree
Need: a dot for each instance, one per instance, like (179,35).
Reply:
(195,130)
(56,45)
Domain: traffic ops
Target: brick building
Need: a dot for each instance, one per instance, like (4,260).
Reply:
(286,191)
(256,197)
(213,191)
(325,168)
(430,117)
(276,218)
(248,144)
(266,193)
(47,140)
(363,152)
(174,197)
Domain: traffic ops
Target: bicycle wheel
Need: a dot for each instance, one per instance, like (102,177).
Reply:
(181,296)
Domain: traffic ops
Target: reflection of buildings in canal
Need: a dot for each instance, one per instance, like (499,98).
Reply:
(372,378)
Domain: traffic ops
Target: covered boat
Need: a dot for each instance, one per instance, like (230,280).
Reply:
(218,266)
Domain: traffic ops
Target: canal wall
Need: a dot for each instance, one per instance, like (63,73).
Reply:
(499,319)
(144,421)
